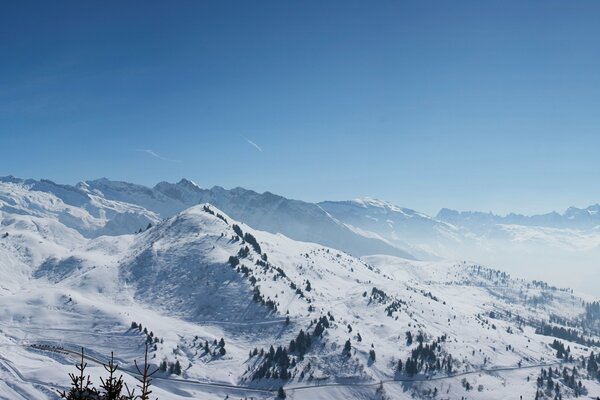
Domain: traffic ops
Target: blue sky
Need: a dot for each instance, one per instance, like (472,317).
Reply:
(469,105)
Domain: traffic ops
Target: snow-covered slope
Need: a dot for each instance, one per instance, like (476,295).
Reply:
(200,276)
(79,207)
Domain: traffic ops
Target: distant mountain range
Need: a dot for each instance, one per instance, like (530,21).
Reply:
(573,217)
(359,227)
(121,207)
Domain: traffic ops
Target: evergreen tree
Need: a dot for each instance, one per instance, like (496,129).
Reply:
(144,381)
(281,393)
(177,368)
(81,385)
(372,354)
(347,347)
(112,386)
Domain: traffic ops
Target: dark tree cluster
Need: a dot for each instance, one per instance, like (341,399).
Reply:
(592,311)
(218,347)
(427,357)
(280,272)
(394,306)
(493,275)
(244,251)
(322,324)
(548,383)
(556,319)
(242,269)
(429,295)
(173,368)
(262,263)
(301,344)
(378,296)
(253,242)
(409,338)
(238,230)
(211,212)
(571,335)
(592,365)
(541,285)
(561,351)
(151,339)
(233,261)
(275,364)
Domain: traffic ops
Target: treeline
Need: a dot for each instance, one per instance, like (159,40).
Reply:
(211,212)
(592,311)
(571,335)
(247,237)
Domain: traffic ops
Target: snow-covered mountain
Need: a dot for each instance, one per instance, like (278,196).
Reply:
(529,246)
(338,325)
(79,207)
(119,207)
(422,235)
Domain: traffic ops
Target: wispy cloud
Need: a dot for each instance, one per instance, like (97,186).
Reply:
(257,147)
(156,155)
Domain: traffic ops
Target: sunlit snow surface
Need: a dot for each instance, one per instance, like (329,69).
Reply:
(59,288)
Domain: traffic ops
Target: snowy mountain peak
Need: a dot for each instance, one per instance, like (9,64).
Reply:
(373,202)
(187,183)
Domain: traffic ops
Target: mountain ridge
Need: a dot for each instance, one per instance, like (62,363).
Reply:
(554,218)
(267,211)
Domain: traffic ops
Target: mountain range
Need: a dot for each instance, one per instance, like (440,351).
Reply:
(229,310)
(517,243)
